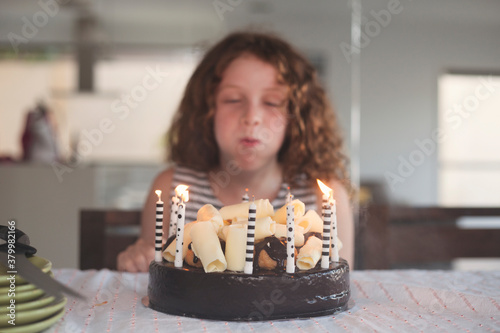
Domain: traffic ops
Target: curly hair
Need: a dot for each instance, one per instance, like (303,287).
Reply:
(313,144)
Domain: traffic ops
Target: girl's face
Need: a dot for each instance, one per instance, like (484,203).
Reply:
(250,114)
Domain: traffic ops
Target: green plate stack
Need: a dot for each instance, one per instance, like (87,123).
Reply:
(26,305)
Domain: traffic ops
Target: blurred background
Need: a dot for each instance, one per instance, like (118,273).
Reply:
(88,89)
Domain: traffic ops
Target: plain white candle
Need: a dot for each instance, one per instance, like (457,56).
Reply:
(290,225)
(334,234)
(179,239)
(173,216)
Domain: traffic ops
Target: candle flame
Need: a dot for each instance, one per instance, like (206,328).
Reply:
(180,189)
(182,192)
(185,196)
(325,189)
(158,193)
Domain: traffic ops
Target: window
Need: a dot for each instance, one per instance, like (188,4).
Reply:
(124,120)
(469,148)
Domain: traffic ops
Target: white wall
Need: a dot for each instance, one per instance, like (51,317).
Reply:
(46,209)
(399,73)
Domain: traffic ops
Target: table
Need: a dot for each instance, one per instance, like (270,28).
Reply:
(381,301)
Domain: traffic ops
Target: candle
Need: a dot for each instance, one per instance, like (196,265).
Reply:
(245,197)
(290,224)
(179,238)
(159,228)
(173,216)
(327,215)
(334,234)
(252,214)
(174,207)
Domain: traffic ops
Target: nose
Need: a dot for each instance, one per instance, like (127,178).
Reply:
(252,115)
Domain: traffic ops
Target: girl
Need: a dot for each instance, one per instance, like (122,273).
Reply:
(253,116)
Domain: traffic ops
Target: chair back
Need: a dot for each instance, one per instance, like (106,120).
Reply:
(420,237)
(104,234)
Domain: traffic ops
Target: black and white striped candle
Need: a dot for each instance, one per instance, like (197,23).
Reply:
(252,214)
(334,233)
(327,219)
(159,228)
(179,239)
(173,216)
(290,226)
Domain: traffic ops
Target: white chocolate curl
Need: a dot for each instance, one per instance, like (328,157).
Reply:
(310,253)
(311,222)
(210,213)
(236,239)
(206,246)
(223,232)
(264,227)
(281,232)
(298,211)
(169,253)
(264,208)
(206,212)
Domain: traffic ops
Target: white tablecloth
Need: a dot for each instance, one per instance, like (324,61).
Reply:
(381,301)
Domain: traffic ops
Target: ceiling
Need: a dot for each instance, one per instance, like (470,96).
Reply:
(187,22)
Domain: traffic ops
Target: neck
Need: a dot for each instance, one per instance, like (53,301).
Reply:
(263,183)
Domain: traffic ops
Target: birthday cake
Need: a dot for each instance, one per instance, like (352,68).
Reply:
(234,266)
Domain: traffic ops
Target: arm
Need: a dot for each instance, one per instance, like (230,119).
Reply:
(136,257)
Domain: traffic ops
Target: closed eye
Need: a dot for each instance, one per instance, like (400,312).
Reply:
(274,104)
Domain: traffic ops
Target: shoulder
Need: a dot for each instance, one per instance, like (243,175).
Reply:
(163,181)
(340,191)
(165,176)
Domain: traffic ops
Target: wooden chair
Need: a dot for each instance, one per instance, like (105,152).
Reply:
(104,234)
(420,237)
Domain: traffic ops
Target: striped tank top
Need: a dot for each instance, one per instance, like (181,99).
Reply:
(201,193)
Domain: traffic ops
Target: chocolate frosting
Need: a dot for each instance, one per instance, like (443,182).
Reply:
(266,295)
(275,248)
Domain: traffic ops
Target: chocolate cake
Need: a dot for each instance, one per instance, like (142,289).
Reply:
(210,280)
(234,296)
